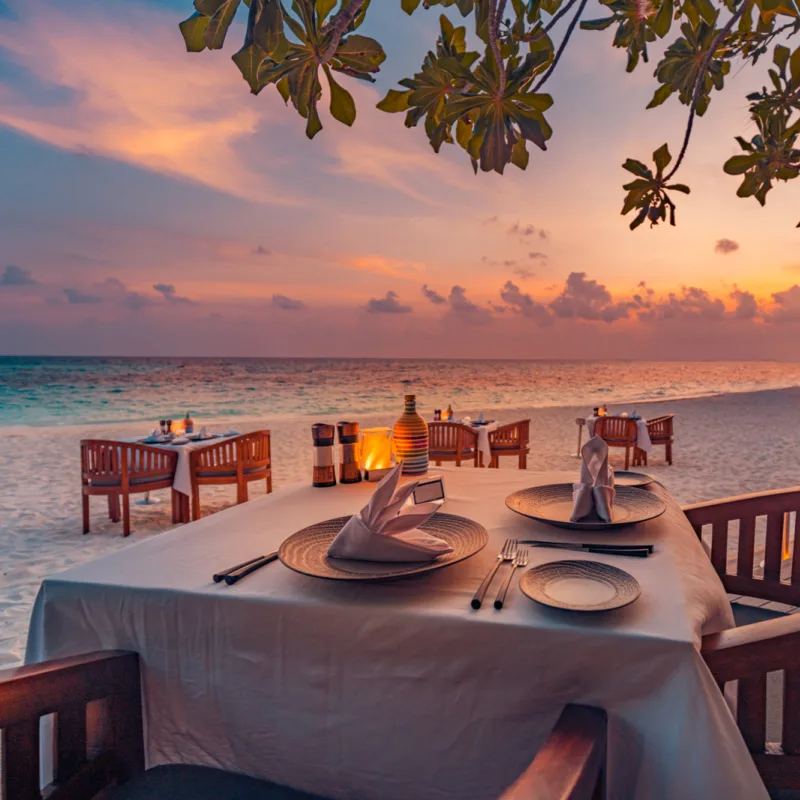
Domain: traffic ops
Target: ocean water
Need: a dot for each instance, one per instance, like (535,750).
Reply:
(78,391)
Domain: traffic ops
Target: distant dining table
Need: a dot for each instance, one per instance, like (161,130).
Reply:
(642,433)
(182,480)
(398,690)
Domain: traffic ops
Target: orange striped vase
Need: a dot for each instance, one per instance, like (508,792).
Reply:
(411,439)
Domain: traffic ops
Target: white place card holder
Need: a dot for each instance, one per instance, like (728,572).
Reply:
(429,490)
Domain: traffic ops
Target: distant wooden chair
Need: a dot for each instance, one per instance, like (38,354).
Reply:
(510,440)
(238,461)
(765,640)
(99,745)
(452,441)
(618,432)
(661,432)
(120,469)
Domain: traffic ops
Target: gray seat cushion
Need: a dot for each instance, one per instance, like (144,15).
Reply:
(747,615)
(113,481)
(228,473)
(180,782)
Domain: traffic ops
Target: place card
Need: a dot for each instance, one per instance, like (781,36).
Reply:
(429,490)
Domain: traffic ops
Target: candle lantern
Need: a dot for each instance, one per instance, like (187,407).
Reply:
(411,439)
(324,470)
(349,467)
(377,451)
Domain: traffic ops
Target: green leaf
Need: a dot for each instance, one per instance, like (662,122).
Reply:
(463,132)
(597,24)
(662,93)
(394,101)
(343,107)
(283,89)
(214,36)
(707,10)
(268,30)
(680,187)
(794,66)
(209,7)
(639,219)
(519,154)
(538,102)
(409,6)
(663,19)
(249,59)
(314,124)
(637,168)
(781,56)
(324,7)
(736,165)
(192,30)
(661,157)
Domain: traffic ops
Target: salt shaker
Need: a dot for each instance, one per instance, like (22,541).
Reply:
(324,471)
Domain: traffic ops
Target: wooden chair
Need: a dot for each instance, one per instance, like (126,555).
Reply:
(452,441)
(770,645)
(661,432)
(618,432)
(118,470)
(510,440)
(238,461)
(571,765)
(99,742)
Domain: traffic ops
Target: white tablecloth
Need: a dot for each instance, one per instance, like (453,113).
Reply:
(642,434)
(401,690)
(483,432)
(182,482)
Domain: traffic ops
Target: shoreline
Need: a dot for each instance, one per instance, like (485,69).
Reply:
(20,429)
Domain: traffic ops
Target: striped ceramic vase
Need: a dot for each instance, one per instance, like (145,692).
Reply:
(411,439)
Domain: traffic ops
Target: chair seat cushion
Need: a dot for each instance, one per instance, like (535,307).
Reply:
(467,451)
(181,782)
(114,481)
(228,473)
(509,446)
(747,615)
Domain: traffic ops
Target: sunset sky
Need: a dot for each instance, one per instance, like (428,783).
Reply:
(149,205)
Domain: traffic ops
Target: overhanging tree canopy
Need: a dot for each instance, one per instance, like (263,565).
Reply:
(490,103)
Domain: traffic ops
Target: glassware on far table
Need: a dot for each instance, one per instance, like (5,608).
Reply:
(163,424)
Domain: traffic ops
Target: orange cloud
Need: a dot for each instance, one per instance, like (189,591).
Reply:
(138,98)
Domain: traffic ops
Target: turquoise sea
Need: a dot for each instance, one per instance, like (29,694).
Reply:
(37,391)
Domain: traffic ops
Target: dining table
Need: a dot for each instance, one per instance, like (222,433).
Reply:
(182,480)
(642,433)
(400,689)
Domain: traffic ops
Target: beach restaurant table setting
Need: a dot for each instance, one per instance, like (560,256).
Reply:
(319,673)
(183,444)
(642,433)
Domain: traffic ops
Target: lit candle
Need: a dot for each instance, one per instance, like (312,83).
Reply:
(377,451)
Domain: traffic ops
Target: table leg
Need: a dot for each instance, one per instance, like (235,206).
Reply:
(580,423)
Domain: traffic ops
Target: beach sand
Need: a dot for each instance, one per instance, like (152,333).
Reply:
(726,445)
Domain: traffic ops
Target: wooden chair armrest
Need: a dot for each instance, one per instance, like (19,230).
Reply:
(753,650)
(38,689)
(570,764)
(736,506)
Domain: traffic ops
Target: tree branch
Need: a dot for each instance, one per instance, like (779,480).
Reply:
(701,79)
(337,25)
(496,9)
(535,35)
(562,46)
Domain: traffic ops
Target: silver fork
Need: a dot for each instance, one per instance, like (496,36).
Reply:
(520,560)
(506,554)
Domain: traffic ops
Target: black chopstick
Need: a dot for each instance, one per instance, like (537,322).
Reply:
(587,545)
(220,576)
(631,550)
(233,577)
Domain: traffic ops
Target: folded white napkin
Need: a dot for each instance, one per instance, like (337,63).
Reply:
(595,490)
(386,528)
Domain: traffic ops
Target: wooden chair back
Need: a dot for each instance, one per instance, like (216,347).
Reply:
(661,429)
(66,687)
(513,436)
(619,431)
(249,452)
(106,461)
(753,655)
(757,524)
(450,438)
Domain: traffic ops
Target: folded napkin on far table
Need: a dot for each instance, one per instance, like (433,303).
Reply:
(595,490)
(386,528)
